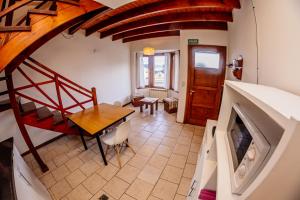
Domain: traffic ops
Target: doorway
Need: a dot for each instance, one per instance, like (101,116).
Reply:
(206,74)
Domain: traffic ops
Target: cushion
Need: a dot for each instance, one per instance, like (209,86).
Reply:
(43,113)
(28,107)
(57,117)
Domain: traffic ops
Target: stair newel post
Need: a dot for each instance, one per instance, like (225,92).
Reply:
(22,127)
(94,96)
(60,105)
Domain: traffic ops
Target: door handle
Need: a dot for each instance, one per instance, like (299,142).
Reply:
(192,92)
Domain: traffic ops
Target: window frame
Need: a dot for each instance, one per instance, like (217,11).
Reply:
(151,71)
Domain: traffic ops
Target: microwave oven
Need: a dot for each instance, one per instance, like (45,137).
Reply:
(248,147)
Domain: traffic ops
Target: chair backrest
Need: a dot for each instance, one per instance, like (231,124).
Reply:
(122,132)
(118,103)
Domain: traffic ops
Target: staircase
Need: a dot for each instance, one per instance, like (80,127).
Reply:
(43,20)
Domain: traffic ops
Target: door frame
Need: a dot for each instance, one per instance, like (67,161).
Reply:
(222,49)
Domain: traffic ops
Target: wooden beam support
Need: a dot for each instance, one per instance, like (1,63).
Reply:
(6,29)
(22,127)
(43,12)
(161,7)
(152,35)
(14,7)
(171,18)
(172,26)
(77,26)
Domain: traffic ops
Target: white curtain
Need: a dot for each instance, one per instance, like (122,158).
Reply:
(176,72)
(167,70)
(140,80)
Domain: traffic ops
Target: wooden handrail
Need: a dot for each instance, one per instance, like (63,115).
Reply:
(14,7)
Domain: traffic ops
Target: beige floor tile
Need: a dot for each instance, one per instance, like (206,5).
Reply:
(187,133)
(195,147)
(179,197)
(99,194)
(153,141)
(74,164)
(74,152)
(75,178)
(184,186)
(60,189)
(60,172)
(158,161)
(165,190)
(108,171)
(174,133)
(184,140)
(169,141)
(126,197)
(48,180)
(146,150)
(87,155)
(177,160)
(150,174)
(128,173)
(192,158)
(123,157)
(79,193)
(89,167)
(153,198)
(140,189)
(189,170)
(61,159)
(181,149)
(94,183)
(116,187)
(197,139)
(172,174)
(164,151)
(138,161)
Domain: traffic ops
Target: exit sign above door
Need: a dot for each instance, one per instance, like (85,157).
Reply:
(193,41)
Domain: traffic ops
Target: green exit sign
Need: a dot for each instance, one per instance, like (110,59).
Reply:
(193,41)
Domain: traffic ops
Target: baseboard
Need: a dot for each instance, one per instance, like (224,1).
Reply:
(44,144)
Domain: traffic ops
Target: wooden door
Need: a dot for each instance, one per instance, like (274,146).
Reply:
(206,74)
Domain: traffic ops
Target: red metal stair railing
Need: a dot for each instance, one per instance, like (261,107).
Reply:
(61,84)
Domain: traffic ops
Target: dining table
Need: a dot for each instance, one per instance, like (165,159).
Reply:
(95,120)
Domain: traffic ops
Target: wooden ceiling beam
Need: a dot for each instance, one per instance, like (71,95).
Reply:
(172,26)
(164,6)
(152,35)
(170,18)
(88,16)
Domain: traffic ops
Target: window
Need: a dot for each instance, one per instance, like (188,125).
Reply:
(156,71)
(160,66)
(146,70)
(207,60)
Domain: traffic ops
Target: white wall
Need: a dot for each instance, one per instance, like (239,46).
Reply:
(206,37)
(88,61)
(278,36)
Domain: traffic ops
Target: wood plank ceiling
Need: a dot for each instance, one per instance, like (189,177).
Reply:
(144,19)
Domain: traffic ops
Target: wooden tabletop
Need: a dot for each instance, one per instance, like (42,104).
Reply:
(100,117)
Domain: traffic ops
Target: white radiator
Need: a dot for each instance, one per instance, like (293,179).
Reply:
(158,93)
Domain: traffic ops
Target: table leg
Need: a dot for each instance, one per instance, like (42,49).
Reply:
(82,138)
(146,106)
(141,107)
(151,109)
(101,149)
(156,105)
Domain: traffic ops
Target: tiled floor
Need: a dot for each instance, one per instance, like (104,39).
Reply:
(162,168)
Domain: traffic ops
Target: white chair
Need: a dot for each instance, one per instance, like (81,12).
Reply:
(117,139)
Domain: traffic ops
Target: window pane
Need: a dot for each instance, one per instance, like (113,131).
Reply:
(207,60)
(146,70)
(159,71)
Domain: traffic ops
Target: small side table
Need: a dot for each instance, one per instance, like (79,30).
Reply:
(149,101)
